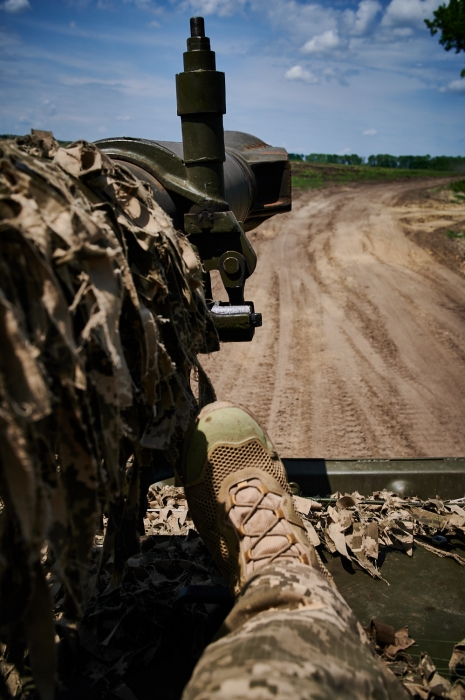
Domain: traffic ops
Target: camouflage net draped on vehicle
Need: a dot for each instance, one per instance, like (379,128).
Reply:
(102,315)
(146,636)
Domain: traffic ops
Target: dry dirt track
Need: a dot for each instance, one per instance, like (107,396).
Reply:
(362,349)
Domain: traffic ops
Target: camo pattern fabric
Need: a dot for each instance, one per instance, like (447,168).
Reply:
(102,316)
(291,636)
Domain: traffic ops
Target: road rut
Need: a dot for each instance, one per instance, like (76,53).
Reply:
(362,349)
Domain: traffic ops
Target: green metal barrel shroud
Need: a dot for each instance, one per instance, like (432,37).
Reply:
(201,102)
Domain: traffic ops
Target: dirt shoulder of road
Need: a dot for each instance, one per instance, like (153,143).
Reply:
(433,216)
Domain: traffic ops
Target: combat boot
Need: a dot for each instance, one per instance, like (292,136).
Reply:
(238,495)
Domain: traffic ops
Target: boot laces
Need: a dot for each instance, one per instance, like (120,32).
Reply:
(262,526)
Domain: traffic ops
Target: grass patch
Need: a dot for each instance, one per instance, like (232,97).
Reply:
(313,175)
(455,234)
(458,186)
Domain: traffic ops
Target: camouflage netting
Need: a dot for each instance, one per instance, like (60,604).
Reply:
(146,636)
(102,315)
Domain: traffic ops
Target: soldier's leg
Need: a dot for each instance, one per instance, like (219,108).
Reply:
(290,634)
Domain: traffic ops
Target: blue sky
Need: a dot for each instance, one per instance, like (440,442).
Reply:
(324,76)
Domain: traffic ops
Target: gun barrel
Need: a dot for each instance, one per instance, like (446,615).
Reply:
(215,185)
(257,179)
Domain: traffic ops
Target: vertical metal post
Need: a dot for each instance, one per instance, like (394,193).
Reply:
(201,103)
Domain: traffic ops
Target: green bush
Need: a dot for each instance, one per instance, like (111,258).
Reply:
(458,186)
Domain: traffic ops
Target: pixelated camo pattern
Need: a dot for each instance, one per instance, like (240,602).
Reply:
(102,315)
(291,636)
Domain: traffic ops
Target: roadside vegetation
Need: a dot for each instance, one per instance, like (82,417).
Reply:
(458,189)
(385,160)
(307,175)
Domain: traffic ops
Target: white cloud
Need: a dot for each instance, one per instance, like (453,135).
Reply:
(323,43)
(345,151)
(455,86)
(409,12)
(127,84)
(339,74)
(402,31)
(79,4)
(144,5)
(365,16)
(113,4)
(75,80)
(7,39)
(299,73)
(297,19)
(369,132)
(15,5)
(139,3)
(49,107)
(222,8)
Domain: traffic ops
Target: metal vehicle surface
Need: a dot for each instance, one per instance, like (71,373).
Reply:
(425,591)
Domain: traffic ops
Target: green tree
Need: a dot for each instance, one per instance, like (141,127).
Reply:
(405,162)
(420,162)
(450,21)
(385,160)
(354,159)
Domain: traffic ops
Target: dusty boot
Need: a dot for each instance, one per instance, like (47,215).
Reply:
(239,497)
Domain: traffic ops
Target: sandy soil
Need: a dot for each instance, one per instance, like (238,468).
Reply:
(362,349)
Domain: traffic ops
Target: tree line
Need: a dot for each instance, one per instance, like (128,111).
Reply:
(385,160)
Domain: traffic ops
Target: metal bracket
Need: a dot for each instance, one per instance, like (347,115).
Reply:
(232,270)
(223,246)
(235,323)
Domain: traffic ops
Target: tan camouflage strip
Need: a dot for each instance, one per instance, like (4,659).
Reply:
(291,636)
(102,316)
(357,527)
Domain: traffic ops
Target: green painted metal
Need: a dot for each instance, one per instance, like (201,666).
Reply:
(257,176)
(424,592)
(201,101)
(425,478)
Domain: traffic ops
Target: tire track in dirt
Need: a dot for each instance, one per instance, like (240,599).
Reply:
(362,349)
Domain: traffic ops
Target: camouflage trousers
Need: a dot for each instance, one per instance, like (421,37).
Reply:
(291,635)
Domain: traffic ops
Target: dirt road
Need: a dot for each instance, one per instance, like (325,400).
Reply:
(362,349)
